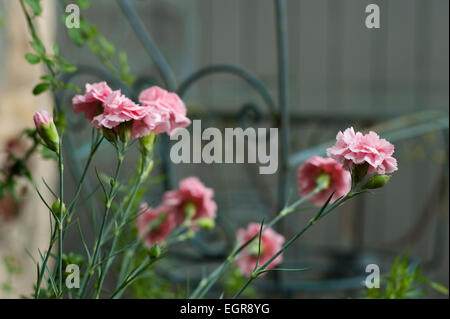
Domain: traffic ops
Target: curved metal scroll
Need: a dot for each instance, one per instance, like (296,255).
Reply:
(241,73)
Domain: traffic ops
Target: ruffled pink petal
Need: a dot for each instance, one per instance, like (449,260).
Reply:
(171,109)
(92,100)
(355,148)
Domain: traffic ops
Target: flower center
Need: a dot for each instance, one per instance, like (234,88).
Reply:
(323,181)
(190,210)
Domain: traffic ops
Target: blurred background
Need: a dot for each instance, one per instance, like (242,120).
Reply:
(339,74)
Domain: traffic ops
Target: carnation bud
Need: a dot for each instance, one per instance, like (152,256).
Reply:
(56,207)
(125,132)
(47,130)
(155,251)
(359,172)
(110,135)
(377,181)
(147,142)
(205,223)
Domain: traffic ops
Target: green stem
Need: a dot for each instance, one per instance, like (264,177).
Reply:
(248,282)
(313,221)
(61,217)
(125,264)
(144,170)
(129,253)
(83,176)
(35,35)
(55,228)
(99,241)
(205,284)
(110,257)
(44,262)
(134,275)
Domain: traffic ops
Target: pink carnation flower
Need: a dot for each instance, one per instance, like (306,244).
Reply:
(161,231)
(146,124)
(161,111)
(271,243)
(169,107)
(90,103)
(307,174)
(42,117)
(357,148)
(117,108)
(191,190)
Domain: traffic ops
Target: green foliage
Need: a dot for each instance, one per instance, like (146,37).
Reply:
(53,61)
(150,284)
(38,46)
(88,34)
(404,281)
(32,58)
(35,6)
(41,87)
(124,68)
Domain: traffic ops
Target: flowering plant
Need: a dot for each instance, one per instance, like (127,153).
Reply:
(356,164)
(327,182)
(120,121)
